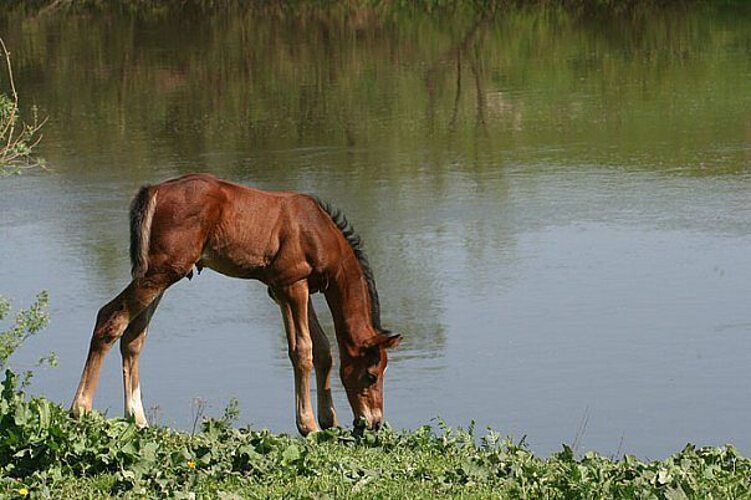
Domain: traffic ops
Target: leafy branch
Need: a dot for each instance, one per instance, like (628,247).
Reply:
(27,322)
(17,138)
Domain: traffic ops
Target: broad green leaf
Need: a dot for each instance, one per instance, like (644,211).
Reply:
(291,454)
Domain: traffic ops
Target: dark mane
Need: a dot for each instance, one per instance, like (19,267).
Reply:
(356,243)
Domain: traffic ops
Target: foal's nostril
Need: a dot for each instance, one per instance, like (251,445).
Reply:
(361,424)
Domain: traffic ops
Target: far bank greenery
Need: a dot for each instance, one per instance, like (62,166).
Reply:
(212,5)
(358,10)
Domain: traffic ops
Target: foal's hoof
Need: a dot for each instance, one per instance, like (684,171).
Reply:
(328,421)
(78,410)
(306,430)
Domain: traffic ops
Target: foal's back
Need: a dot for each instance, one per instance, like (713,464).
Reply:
(276,237)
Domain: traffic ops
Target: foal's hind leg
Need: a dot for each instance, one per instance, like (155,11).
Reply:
(111,323)
(322,361)
(293,301)
(130,348)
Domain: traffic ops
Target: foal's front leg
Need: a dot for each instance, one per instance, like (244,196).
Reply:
(293,301)
(323,361)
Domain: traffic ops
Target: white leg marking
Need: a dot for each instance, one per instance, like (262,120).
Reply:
(137,407)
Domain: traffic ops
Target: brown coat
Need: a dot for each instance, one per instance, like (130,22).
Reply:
(293,243)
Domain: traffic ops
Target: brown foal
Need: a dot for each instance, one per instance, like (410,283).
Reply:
(295,244)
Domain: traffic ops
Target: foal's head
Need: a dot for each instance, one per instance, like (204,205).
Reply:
(362,376)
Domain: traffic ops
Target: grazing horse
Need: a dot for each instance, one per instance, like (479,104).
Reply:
(293,243)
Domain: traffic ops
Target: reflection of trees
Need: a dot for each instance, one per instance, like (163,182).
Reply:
(154,88)
(470,46)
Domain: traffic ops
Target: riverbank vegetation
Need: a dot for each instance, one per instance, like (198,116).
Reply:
(44,453)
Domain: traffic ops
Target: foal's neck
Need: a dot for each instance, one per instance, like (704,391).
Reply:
(349,301)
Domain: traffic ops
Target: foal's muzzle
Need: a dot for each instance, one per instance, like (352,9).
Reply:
(360,424)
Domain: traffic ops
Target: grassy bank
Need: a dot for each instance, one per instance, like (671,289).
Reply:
(43,453)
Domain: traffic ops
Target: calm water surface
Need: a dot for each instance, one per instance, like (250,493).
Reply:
(557,209)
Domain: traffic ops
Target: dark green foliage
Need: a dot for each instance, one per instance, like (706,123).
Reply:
(46,453)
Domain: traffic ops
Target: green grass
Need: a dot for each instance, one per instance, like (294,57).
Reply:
(44,453)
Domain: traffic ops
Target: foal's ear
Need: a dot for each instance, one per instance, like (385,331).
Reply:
(390,340)
(384,341)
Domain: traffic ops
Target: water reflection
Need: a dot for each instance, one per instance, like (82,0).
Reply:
(139,92)
(498,167)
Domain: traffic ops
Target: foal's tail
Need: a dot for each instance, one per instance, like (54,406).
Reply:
(141,215)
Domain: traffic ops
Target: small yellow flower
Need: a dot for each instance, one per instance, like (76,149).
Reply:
(23,491)
(191,464)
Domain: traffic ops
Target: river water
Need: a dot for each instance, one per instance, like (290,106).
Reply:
(556,208)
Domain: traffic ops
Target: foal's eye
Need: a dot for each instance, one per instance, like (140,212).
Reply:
(372,377)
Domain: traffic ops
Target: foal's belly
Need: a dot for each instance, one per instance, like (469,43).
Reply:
(263,271)
(247,267)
